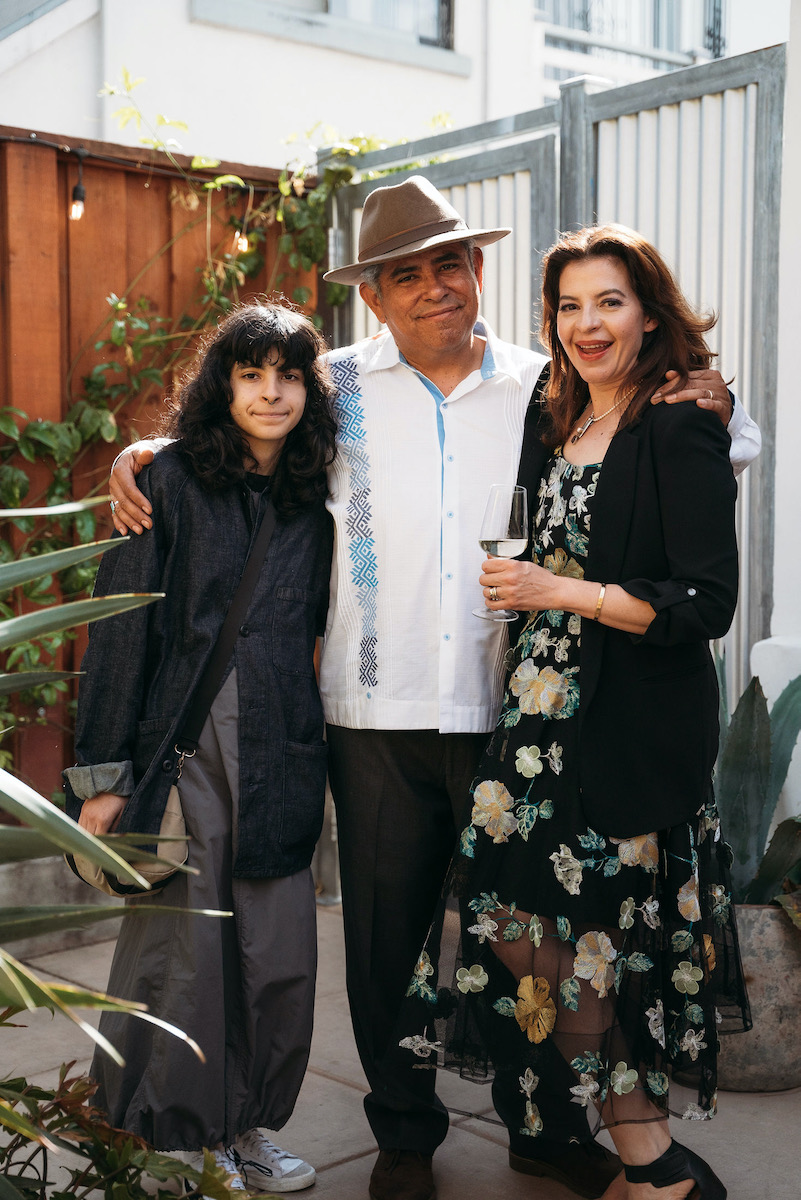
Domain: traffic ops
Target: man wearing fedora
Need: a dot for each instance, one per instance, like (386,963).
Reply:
(430,414)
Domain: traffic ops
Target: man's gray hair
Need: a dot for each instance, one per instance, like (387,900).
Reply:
(371,275)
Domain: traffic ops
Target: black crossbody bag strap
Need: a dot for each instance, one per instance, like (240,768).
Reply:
(209,684)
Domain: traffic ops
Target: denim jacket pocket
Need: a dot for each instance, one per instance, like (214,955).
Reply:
(304,797)
(293,630)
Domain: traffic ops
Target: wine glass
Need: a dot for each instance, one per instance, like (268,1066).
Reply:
(504,534)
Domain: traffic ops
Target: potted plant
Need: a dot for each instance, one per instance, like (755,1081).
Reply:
(755,751)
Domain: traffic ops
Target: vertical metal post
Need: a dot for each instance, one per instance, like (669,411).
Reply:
(577,195)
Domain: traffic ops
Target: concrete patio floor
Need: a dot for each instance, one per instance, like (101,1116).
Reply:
(754,1142)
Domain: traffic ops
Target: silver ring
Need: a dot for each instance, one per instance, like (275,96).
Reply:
(113,506)
(709,394)
(493,594)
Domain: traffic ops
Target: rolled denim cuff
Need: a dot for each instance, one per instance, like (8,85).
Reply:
(114,777)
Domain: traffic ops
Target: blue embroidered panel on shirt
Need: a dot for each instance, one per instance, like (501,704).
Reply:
(359,520)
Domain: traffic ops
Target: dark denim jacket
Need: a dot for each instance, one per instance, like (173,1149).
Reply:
(142,666)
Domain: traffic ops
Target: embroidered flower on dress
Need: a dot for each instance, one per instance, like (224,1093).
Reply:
(528,1082)
(650,913)
(528,761)
(535,930)
(686,977)
(626,920)
(584,1090)
(491,805)
(485,928)
(656,1022)
(695,1113)
(693,1042)
(540,691)
(641,851)
(535,1011)
(709,954)
(473,980)
(567,869)
(558,563)
(419,1045)
(533,1120)
(594,957)
(623,1078)
(689,906)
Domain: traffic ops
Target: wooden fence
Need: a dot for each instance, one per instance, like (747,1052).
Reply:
(143,234)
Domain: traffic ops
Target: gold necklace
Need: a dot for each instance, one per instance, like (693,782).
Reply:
(582,429)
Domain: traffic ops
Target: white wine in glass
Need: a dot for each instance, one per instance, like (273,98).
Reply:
(504,534)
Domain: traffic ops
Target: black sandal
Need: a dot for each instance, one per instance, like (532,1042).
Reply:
(675,1165)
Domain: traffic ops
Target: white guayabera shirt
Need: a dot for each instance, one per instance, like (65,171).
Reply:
(408,490)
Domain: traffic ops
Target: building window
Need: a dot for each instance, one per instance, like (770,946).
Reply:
(428,21)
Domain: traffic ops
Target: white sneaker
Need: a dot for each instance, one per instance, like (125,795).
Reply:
(224,1158)
(267,1168)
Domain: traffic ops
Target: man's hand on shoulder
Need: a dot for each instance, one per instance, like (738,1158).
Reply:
(706,388)
(130,510)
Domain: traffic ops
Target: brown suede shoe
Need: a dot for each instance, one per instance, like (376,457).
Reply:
(402,1175)
(587,1168)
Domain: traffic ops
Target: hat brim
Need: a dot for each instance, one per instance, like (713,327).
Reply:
(354,273)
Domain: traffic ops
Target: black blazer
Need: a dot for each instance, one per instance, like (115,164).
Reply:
(663,528)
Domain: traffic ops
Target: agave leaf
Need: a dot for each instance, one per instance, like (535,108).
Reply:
(17,680)
(18,844)
(19,1124)
(12,574)
(64,616)
(65,997)
(785,724)
(791,903)
(28,806)
(54,510)
(33,919)
(783,853)
(719,657)
(741,785)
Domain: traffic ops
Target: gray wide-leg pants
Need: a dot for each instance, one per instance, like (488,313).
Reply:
(241,986)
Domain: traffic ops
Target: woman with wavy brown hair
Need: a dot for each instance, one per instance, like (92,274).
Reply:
(598,956)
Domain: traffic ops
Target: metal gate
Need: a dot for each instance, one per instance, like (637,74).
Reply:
(693,160)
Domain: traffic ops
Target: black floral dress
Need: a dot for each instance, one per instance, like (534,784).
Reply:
(602,967)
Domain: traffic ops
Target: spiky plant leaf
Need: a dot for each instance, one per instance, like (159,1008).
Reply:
(18,680)
(741,784)
(785,726)
(34,919)
(28,806)
(65,616)
(22,570)
(54,510)
(783,853)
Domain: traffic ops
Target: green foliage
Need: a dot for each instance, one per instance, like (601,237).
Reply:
(755,751)
(111,1162)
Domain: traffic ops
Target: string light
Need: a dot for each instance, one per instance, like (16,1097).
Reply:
(79,191)
(242,242)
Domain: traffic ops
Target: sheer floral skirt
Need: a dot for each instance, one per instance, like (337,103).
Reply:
(616,995)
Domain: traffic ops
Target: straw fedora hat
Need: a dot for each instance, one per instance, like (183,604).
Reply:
(403,219)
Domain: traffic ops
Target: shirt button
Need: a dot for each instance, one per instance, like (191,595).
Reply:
(446,637)
(244,631)
(450,458)
(448,575)
(167,765)
(444,404)
(450,514)
(691,592)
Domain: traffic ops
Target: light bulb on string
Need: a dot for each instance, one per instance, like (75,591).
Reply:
(242,242)
(79,191)
(77,205)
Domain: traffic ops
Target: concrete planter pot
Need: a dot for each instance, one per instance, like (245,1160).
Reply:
(768,1059)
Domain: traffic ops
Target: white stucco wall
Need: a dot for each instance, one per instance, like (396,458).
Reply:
(243,93)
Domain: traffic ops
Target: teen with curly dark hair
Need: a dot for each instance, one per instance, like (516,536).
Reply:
(253,425)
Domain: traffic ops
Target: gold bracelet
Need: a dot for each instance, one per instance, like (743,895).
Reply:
(599,605)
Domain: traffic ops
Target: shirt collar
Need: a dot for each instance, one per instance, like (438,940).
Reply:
(382,353)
